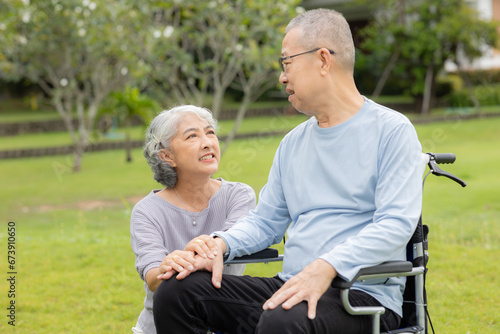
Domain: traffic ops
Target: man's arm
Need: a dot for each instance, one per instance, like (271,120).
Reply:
(398,203)
(264,226)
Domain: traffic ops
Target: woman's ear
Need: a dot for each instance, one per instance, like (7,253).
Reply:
(168,157)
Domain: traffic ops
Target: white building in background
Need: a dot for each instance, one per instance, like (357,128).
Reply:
(358,16)
(488,10)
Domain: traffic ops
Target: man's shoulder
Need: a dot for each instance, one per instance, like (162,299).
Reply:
(385,114)
(300,129)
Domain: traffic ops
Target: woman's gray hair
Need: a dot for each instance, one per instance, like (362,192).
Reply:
(159,136)
(326,28)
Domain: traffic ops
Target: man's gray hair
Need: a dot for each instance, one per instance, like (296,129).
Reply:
(159,135)
(329,29)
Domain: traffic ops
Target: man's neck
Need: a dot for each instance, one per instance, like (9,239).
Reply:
(339,108)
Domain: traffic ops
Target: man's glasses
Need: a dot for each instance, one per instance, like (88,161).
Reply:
(281,60)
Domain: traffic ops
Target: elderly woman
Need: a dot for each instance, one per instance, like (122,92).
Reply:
(183,152)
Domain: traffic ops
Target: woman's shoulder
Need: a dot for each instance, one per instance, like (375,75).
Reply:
(231,188)
(148,201)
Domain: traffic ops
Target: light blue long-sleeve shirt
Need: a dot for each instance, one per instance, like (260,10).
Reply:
(350,194)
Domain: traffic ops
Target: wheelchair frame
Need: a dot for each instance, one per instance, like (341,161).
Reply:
(415,311)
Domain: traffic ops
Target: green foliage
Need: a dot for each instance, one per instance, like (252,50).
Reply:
(77,52)
(198,47)
(68,43)
(487,96)
(125,106)
(128,104)
(426,32)
(484,77)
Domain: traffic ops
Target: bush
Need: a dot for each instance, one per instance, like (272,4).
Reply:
(484,76)
(487,95)
(447,84)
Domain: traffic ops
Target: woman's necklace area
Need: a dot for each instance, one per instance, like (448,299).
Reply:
(196,216)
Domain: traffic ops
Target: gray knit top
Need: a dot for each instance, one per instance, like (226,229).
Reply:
(158,227)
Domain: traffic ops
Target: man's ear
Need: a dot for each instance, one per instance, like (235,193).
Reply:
(327,61)
(168,157)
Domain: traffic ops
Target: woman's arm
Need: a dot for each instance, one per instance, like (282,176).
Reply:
(147,244)
(178,261)
(151,279)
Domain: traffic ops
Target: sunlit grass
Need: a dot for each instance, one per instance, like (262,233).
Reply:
(76,268)
(254,125)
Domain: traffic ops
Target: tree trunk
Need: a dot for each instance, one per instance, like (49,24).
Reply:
(217,101)
(429,76)
(240,116)
(386,73)
(78,154)
(128,144)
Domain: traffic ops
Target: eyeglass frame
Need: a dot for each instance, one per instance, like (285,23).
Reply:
(282,59)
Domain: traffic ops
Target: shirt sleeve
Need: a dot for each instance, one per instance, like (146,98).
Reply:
(239,202)
(398,205)
(264,226)
(147,242)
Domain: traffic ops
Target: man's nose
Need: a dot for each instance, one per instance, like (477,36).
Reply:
(283,78)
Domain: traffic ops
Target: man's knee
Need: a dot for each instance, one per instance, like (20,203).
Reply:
(280,320)
(172,292)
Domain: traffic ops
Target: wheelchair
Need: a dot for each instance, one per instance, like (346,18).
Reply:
(415,316)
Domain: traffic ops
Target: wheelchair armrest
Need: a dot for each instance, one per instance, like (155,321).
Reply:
(266,255)
(386,269)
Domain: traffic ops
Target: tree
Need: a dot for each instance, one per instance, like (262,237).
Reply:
(76,51)
(126,106)
(200,46)
(189,47)
(420,36)
(259,68)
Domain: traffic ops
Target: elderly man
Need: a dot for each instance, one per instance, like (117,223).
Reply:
(346,188)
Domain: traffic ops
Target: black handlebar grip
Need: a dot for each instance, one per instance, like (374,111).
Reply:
(444,158)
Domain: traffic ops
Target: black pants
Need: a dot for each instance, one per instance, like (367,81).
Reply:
(193,305)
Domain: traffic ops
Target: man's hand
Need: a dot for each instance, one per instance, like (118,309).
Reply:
(204,245)
(185,262)
(309,285)
(218,263)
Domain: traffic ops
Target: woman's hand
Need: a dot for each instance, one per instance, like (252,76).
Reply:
(204,245)
(173,264)
(177,262)
(187,261)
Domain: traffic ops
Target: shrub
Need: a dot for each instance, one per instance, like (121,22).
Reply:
(487,95)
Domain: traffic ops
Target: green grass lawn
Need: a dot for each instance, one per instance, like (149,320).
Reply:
(52,139)
(28,109)
(76,268)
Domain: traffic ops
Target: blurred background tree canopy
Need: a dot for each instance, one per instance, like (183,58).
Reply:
(78,52)
(206,52)
(414,39)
